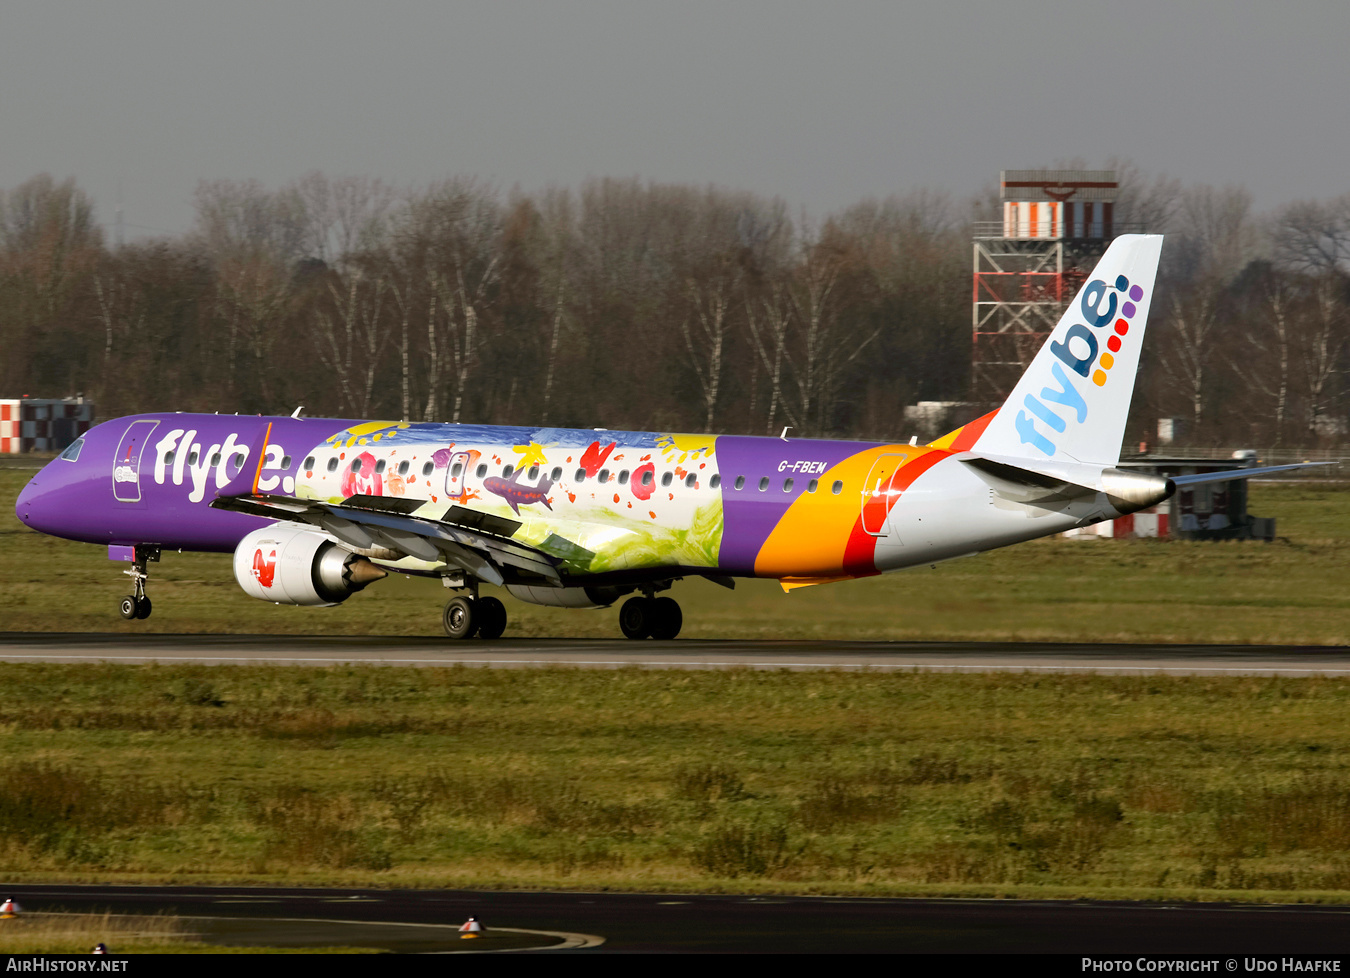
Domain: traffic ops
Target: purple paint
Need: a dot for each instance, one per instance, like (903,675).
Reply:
(1127,310)
(518,494)
(748,515)
(116,552)
(1136,293)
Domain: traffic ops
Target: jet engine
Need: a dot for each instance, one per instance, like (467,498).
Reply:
(293,564)
(568,597)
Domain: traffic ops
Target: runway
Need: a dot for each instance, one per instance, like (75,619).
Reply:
(673,922)
(308,650)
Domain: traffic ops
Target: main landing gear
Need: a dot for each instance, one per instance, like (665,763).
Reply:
(649,617)
(136,605)
(470,615)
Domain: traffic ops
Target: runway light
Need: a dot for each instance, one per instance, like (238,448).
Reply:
(470,928)
(9,909)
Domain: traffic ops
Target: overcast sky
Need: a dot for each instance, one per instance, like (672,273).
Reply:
(823,103)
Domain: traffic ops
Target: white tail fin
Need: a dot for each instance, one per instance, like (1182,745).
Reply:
(1072,402)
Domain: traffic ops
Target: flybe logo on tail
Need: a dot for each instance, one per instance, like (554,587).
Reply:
(1107,312)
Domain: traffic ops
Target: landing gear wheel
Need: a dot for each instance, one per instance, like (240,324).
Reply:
(461,618)
(491,617)
(143,608)
(635,618)
(666,619)
(129,608)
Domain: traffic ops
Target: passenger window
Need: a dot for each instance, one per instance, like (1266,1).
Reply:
(379,467)
(168,459)
(580,476)
(690,479)
(215,459)
(456,470)
(764,483)
(192,458)
(309,462)
(812,485)
(533,473)
(333,464)
(403,467)
(837,488)
(787,485)
(356,466)
(623,477)
(740,482)
(665,479)
(714,482)
(236,462)
(648,477)
(428,468)
(604,475)
(72,453)
(285,461)
(507,470)
(556,474)
(480,471)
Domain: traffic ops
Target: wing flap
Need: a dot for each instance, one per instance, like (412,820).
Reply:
(471,550)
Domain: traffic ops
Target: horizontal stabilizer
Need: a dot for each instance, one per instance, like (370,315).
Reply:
(1050,484)
(1232,475)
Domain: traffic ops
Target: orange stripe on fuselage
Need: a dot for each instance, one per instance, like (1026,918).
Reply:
(815,538)
(964,438)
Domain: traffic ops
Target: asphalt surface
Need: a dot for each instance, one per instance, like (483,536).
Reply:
(1266,660)
(702,923)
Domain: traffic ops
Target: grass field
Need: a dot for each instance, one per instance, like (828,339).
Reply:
(1176,788)
(1290,591)
(1060,786)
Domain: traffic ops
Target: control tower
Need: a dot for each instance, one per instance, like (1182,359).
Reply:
(1028,267)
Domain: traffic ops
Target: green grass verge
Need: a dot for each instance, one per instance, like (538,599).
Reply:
(1290,591)
(1064,786)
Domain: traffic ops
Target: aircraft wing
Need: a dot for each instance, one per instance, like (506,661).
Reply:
(477,543)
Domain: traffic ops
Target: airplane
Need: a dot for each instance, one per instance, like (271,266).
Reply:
(316,509)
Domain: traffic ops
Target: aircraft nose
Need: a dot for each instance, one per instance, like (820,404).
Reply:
(23,506)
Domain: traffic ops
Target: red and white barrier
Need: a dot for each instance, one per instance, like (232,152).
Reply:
(33,424)
(1151,523)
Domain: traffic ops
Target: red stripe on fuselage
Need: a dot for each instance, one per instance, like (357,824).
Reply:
(860,551)
(970,434)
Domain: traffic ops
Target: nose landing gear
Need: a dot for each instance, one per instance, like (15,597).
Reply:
(137,605)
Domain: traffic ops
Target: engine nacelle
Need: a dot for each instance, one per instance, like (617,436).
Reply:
(568,597)
(292,564)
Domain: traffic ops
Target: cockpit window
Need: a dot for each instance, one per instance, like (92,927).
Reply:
(72,453)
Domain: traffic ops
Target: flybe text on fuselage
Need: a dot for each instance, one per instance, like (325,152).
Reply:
(179,456)
(1038,423)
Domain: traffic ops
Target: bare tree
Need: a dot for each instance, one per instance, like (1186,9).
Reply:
(1190,346)
(350,335)
(769,319)
(342,216)
(1313,236)
(1322,349)
(1263,359)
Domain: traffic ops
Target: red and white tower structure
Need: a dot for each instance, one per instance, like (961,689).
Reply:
(1029,265)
